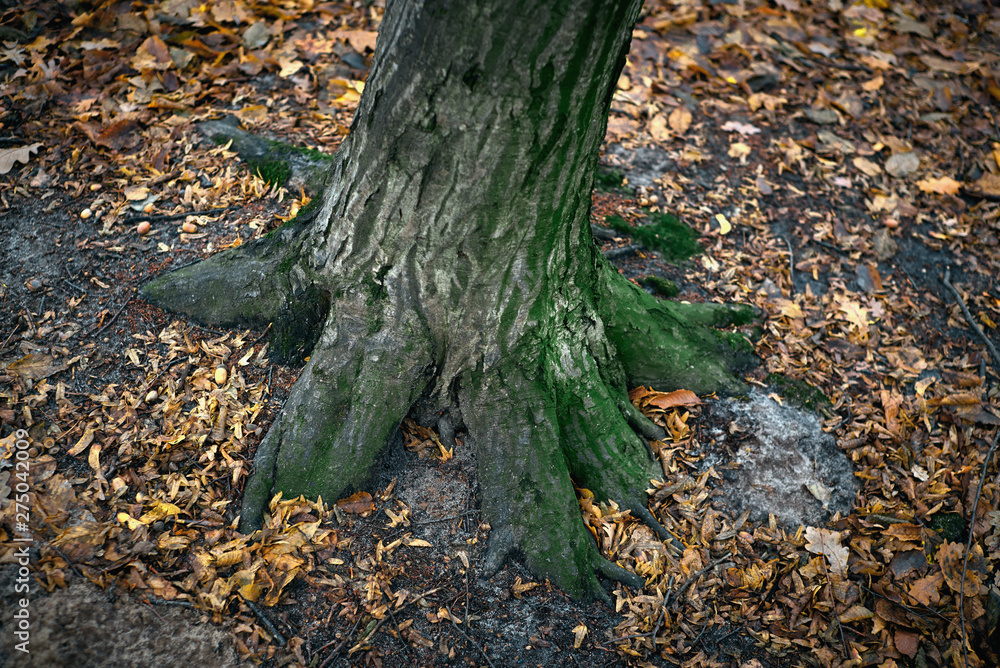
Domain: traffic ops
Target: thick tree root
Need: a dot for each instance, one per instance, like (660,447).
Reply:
(351,396)
(526,491)
(256,283)
(282,164)
(672,345)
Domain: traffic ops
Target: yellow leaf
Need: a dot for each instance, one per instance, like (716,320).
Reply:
(724,226)
(81,445)
(789,309)
(943,186)
(417,542)
(159,511)
(94,459)
(680,120)
(136,193)
(133,524)
(579,633)
(658,128)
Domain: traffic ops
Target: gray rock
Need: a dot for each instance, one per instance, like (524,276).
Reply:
(782,464)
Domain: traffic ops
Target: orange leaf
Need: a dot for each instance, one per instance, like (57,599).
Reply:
(943,186)
(675,398)
(357,504)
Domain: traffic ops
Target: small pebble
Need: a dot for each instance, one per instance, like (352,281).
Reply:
(220,375)
(143,228)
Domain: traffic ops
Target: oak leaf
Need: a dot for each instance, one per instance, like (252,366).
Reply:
(9,156)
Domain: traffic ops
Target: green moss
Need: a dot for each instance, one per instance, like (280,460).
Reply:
(798,392)
(608,178)
(662,286)
(949,526)
(663,232)
(294,335)
(273,172)
(736,341)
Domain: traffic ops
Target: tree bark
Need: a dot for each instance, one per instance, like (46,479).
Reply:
(449,269)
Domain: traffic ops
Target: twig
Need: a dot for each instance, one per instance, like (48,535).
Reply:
(669,600)
(340,647)
(986,463)
(469,638)
(166,217)
(113,318)
(968,547)
(791,263)
(73,285)
(968,317)
(399,631)
(616,253)
(275,633)
(447,519)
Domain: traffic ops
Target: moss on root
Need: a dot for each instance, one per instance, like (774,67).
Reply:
(661,286)
(664,233)
(608,179)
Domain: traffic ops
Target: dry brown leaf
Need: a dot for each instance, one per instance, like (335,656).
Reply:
(827,543)
(357,504)
(673,399)
(680,120)
(942,186)
(9,156)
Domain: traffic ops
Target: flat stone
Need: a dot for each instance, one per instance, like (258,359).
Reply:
(776,460)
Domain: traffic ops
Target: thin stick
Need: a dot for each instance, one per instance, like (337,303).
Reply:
(616,253)
(275,633)
(968,547)
(994,357)
(113,318)
(986,463)
(164,217)
(791,263)
(447,519)
(469,638)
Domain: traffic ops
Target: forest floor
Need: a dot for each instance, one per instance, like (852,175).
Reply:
(841,165)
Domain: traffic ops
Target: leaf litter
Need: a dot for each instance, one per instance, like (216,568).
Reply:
(833,157)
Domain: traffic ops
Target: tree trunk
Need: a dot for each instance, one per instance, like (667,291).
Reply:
(449,269)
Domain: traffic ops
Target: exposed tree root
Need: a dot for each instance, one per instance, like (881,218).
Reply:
(672,345)
(526,491)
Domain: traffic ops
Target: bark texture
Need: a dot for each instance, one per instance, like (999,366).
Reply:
(450,270)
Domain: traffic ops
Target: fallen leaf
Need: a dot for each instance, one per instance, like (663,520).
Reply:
(827,543)
(724,225)
(675,398)
(942,186)
(357,504)
(901,165)
(35,366)
(9,156)
(579,633)
(680,120)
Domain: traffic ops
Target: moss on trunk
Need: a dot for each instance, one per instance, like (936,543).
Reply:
(451,264)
